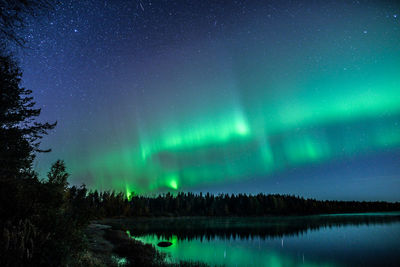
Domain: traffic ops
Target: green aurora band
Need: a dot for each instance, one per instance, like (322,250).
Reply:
(240,114)
(343,118)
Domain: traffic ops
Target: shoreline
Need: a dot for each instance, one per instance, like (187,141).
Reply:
(112,247)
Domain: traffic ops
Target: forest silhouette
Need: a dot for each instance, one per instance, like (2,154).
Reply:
(43,220)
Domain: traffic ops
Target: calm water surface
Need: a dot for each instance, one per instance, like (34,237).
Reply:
(330,240)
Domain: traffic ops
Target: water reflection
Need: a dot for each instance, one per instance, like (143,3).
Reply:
(340,240)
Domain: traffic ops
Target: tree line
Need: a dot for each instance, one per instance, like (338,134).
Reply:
(109,204)
(43,220)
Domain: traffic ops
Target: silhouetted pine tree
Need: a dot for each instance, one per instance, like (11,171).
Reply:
(20,133)
(13,16)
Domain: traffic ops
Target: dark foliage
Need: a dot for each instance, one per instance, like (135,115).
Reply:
(137,253)
(20,133)
(42,222)
(14,14)
(108,204)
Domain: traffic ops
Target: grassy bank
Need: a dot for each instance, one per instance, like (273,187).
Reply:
(109,247)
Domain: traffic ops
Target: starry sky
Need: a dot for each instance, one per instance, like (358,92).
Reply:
(294,97)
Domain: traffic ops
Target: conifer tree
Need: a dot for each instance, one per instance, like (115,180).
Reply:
(20,132)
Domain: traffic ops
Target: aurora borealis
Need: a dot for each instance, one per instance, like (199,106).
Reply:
(193,95)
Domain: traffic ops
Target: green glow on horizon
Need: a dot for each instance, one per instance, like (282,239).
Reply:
(214,153)
(249,118)
(128,194)
(173,184)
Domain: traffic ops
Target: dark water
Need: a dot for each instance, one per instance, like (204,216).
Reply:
(330,240)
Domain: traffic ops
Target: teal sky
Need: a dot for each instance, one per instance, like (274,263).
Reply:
(300,98)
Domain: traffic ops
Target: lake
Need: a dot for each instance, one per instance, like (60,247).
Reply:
(371,239)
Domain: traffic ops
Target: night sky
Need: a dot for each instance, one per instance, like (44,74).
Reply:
(298,97)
